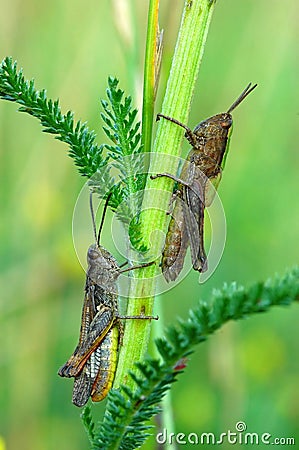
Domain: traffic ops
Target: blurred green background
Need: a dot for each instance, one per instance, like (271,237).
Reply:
(249,370)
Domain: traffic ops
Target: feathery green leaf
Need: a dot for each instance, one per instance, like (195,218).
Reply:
(87,155)
(124,424)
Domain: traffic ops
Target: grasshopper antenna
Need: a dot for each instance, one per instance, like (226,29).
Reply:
(97,236)
(92,217)
(103,217)
(241,97)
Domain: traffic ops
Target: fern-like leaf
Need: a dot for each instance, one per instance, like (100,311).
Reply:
(124,425)
(87,155)
(127,157)
(121,127)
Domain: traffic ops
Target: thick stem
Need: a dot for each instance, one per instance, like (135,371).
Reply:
(149,74)
(179,92)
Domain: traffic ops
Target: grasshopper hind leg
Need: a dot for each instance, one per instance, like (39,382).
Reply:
(82,388)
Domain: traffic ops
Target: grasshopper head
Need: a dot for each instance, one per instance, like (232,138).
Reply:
(102,267)
(225,120)
(213,126)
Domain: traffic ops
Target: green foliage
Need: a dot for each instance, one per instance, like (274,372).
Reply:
(120,121)
(87,155)
(88,424)
(124,424)
(124,154)
(256,149)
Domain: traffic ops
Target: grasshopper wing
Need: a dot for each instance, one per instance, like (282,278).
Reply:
(176,244)
(99,327)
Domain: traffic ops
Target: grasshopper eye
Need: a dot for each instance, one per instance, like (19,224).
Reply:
(226,121)
(92,253)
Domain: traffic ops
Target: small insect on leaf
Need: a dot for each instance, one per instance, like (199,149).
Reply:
(181,364)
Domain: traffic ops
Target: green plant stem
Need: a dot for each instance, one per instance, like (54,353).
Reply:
(141,329)
(167,415)
(149,75)
(180,87)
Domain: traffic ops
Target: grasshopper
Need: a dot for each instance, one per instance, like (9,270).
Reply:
(94,360)
(204,165)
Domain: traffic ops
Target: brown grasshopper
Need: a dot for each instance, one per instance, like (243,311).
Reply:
(204,165)
(94,360)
